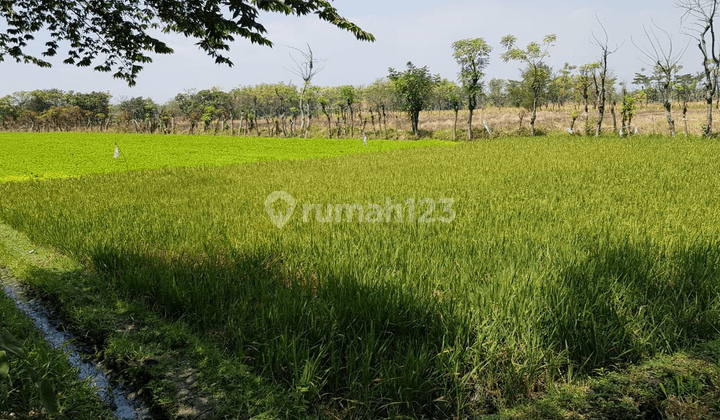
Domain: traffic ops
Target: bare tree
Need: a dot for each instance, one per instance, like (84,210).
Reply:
(703,13)
(305,68)
(666,63)
(600,87)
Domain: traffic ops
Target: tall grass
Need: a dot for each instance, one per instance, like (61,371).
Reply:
(565,255)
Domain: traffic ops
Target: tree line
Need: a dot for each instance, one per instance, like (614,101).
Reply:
(347,111)
(289,110)
(335,111)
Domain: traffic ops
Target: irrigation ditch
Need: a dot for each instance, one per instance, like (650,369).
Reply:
(113,344)
(123,400)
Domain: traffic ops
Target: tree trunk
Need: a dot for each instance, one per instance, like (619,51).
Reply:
(352,122)
(307,125)
(397,126)
(671,122)
(414,117)
(685,118)
(329,125)
(601,114)
(455,126)
(534,116)
(384,115)
(708,127)
(470,132)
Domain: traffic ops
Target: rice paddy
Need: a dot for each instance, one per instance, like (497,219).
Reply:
(564,254)
(25,156)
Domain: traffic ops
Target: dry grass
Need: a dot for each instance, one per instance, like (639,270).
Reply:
(649,119)
(503,121)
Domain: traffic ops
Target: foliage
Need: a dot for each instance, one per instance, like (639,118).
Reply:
(11,345)
(448,95)
(585,82)
(537,74)
(414,86)
(120,33)
(496,93)
(685,86)
(473,55)
(522,94)
(54,108)
(561,87)
(628,110)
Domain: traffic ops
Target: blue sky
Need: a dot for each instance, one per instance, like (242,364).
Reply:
(420,31)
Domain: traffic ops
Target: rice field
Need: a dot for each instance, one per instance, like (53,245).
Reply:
(476,276)
(25,156)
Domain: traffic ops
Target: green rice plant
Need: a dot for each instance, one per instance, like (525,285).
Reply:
(26,156)
(566,255)
(11,345)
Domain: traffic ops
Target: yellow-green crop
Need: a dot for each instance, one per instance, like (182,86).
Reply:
(564,253)
(25,156)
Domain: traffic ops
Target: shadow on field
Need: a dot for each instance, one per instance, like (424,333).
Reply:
(376,348)
(623,302)
(363,350)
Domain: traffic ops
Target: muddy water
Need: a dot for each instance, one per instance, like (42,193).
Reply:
(122,400)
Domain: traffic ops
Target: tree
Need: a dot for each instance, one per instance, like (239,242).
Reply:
(666,63)
(583,82)
(190,105)
(629,107)
(600,87)
(143,113)
(473,56)
(704,12)
(530,91)
(644,81)
(496,92)
(449,95)
(96,104)
(9,111)
(684,87)
(117,35)
(533,56)
(562,84)
(414,86)
(306,68)
(380,96)
(326,98)
(349,96)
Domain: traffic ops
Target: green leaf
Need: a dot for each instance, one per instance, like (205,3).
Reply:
(47,396)
(4,366)
(34,377)
(11,344)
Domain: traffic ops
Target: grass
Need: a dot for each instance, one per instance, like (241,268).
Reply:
(25,156)
(566,256)
(19,395)
(157,357)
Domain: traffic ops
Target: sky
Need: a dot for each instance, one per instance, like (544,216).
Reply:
(420,31)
